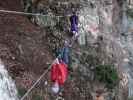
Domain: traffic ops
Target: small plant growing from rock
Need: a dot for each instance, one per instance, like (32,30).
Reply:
(107,74)
(130,12)
(21,91)
(37,97)
(130,98)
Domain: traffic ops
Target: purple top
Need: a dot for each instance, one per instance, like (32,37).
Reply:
(74,23)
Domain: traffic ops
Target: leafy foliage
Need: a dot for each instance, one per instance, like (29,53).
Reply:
(130,12)
(107,74)
(21,91)
(130,98)
(37,97)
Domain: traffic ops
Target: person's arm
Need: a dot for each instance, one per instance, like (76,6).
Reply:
(71,19)
(76,20)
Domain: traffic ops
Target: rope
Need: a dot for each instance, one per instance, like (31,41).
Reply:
(25,13)
(32,14)
(26,94)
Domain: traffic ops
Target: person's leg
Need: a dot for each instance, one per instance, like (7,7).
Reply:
(74,37)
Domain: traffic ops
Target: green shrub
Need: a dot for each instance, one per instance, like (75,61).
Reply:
(130,12)
(130,98)
(21,91)
(37,97)
(107,74)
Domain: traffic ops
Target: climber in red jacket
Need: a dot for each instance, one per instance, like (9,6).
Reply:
(59,74)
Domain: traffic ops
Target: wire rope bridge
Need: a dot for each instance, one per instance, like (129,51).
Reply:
(49,67)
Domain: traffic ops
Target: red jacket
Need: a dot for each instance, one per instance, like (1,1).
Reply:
(59,73)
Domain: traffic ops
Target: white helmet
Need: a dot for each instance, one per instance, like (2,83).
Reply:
(55,88)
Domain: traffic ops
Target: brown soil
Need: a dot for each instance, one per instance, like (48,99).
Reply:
(22,47)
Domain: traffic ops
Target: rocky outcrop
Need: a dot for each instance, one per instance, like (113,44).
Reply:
(99,25)
(99,42)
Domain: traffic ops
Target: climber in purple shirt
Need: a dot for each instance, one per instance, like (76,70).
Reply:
(74,24)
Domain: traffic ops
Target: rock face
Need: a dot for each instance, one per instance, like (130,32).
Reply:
(101,23)
(126,40)
(100,40)
(8,89)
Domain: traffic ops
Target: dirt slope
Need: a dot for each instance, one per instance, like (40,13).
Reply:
(21,43)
